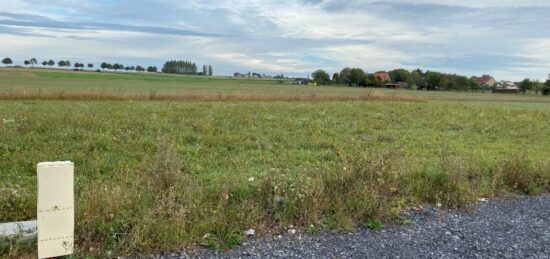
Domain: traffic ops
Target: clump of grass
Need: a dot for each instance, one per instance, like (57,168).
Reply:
(375,225)
(452,183)
(17,247)
(15,204)
(520,175)
(312,229)
(142,213)
(221,239)
(358,190)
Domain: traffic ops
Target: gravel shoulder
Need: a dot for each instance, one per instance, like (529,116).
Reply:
(504,228)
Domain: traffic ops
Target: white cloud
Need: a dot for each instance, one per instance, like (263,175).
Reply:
(509,38)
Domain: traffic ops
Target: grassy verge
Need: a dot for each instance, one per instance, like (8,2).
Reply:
(154,176)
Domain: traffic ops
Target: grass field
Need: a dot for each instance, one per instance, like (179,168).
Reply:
(160,175)
(46,83)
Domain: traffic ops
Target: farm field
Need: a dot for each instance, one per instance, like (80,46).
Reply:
(59,84)
(156,175)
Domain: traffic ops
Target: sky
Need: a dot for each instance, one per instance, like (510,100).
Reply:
(508,39)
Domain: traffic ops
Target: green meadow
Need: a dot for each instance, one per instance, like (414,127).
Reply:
(156,175)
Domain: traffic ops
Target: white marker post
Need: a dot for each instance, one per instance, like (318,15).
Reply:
(55,210)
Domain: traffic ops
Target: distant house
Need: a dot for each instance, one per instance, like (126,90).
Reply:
(301,81)
(382,76)
(247,75)
(506,87)
(485,81)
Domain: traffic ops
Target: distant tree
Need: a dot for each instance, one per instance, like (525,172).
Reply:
(335,78)
(103,65)
(180,67)
(204,70)
(546,87)
(117,66)
(210,72)
(44,63)
(127,68)
(51,63)
(61,63)
(139,68)
(67,63)
(537,86)
(434,80)
(321,77)
(417,79)
(33,61)
(472,85)
(27,62)
(357,77)
(152,69)
(90,65)
(373,81)
(344,76)
(7,61)
(526,85)
(400,75)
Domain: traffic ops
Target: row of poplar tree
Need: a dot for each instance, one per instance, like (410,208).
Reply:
(185,67)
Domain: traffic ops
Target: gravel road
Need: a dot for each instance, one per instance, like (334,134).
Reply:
(510,228)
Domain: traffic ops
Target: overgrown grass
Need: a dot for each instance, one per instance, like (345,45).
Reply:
(17,247)
(166,210)
(158,175)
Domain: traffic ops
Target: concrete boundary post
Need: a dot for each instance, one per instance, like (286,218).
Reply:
(55,209)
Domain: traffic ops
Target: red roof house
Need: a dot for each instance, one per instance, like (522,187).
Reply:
(382,76)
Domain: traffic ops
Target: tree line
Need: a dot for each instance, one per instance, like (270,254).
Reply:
(117,66)
(185,67)
(80,66)
(415,79)
(170,67)
(535,85)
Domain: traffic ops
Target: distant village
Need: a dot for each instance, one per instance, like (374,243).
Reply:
(484,81)
(256,75)
(489,82)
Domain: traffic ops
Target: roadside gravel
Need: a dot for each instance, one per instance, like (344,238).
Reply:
(506,228)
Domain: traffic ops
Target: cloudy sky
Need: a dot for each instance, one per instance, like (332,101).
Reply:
(509,39)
